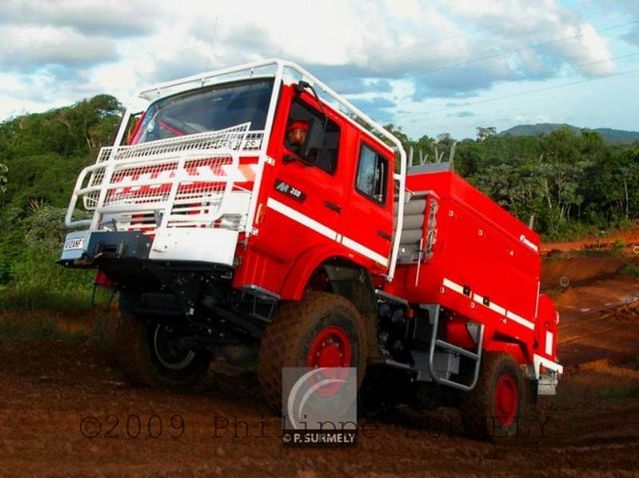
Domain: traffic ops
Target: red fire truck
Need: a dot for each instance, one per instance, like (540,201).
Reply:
(220,235)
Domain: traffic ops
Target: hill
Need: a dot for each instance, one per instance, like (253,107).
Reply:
(614,136)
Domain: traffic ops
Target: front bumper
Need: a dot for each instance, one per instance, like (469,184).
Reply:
(85,248)
(184,245)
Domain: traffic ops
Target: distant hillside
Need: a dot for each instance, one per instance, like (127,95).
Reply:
(615,136)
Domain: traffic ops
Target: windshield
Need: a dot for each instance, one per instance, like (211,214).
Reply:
(207,109)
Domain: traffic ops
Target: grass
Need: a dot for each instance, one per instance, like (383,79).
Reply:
(36,326)
(576,231)
(34,298)
(37,282)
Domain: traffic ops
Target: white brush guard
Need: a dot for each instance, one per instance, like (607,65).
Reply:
(180,190)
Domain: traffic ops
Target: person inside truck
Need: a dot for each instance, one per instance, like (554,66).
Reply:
(296,135)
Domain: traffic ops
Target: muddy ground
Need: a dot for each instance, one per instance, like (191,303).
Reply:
(64,411)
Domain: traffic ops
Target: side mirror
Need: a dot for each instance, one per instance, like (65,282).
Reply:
(314,138)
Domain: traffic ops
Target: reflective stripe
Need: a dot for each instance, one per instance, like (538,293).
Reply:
(520,320)
(453,286)
(550,337)
(301,218)
(497,308)
(320,228)
(365,251)
(529,243)
(491,305)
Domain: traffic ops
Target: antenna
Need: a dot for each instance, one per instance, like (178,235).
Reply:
(451,155)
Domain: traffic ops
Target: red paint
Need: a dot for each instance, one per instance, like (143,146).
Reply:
(287,253)
(478,246)
(103,280)
(330,348)
(136,132)
(506,400)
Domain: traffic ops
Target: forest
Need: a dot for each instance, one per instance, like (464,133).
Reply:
(565,184)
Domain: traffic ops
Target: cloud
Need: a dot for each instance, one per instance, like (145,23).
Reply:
(584,49)
(378,108)
(459,84)
(115,18)
(632,36)
(28,48)
(380,54)
(383,39)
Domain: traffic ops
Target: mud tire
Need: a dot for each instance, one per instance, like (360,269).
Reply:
(137,356)
(482,416)
(288,338)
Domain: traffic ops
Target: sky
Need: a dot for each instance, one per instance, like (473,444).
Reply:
(428,67)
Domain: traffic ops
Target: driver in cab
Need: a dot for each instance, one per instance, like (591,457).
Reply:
(296,137)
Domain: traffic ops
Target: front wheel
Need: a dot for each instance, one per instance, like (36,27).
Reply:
(321,330)
(150,354)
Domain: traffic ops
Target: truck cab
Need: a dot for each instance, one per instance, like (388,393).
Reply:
(211,165)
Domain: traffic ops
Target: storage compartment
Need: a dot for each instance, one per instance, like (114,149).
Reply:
(467,254)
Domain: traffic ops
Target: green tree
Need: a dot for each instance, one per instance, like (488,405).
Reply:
(485,133)
(3,177)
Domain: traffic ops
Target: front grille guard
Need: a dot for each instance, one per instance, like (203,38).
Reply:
(179,182)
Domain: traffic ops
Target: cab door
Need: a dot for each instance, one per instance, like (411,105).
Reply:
(368,219)
(306,198)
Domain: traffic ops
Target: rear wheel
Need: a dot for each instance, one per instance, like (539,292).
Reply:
(495,407)
(321,330)
(150,354)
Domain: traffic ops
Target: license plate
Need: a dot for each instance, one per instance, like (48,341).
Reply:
(77,243)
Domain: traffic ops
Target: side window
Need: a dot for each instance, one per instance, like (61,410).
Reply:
(300,118)
(372,172)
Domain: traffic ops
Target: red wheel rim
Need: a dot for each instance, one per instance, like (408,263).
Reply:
(506,400)
(330,348)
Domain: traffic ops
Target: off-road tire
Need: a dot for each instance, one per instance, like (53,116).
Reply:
(138,361)
(478,409)
(288,337)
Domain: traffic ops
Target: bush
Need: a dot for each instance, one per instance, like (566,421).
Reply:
(30,278)
(38,282)
(5,272)
(45,228)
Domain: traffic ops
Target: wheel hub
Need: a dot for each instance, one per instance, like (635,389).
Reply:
(506,400)
(168,351)
(330,348)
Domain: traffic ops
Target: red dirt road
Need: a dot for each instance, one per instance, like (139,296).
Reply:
(65,412)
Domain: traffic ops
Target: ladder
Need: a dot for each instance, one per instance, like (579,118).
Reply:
(437,343)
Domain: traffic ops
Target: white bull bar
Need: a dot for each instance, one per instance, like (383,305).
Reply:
(178,182)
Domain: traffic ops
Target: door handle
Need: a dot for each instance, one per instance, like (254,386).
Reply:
(332,206)
(384,235)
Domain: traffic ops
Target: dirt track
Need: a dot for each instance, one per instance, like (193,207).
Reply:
(53,393)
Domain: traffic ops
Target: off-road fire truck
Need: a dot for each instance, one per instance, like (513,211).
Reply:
(219,236)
